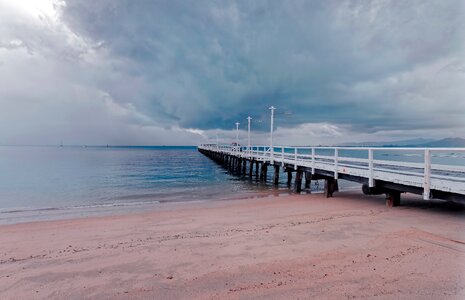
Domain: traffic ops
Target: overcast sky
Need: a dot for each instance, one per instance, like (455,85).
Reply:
(180,72)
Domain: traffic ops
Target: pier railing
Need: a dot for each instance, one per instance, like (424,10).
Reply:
(441,169)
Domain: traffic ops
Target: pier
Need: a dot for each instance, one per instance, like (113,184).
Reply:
(434,173)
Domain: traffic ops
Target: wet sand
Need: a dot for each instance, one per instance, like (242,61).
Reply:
(292,247)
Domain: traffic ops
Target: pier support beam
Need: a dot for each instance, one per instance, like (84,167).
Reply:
(308,181)
(251,168)
(276,175)
(289,177)
(298,181)
(264,171)
(392,198)
(331,186)
(257,168)
(244,166)
(239,166)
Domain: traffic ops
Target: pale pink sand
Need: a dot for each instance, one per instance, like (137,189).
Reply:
(288,247)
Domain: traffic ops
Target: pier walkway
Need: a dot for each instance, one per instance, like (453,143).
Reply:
(432,172)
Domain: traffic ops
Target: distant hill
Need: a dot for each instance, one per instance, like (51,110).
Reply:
(447,142)
(403,143)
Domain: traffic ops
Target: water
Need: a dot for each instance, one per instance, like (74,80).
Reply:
(39,183)
(43,183)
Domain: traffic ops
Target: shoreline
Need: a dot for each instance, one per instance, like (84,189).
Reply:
(269,247)
(19,215)
(45,214)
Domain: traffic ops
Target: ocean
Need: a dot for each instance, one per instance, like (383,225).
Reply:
(51,182)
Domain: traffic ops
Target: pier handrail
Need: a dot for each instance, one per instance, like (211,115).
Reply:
(428,168)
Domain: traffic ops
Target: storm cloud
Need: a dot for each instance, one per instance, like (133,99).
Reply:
(180,72)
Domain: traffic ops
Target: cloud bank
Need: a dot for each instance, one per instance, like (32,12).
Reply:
(180,72)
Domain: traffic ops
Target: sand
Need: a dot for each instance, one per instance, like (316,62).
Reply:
(292,247)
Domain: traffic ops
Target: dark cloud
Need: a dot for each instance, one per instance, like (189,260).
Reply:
(370,67)
(213,61)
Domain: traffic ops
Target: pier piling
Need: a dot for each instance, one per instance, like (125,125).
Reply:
(264,172)
(289,177)
(392,198)
(276,175)
(251,168)
(331,186)
(298,181)
(308,181)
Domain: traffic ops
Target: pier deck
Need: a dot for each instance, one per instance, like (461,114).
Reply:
(432,172)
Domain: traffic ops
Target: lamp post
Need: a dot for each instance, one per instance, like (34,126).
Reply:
(248,134)
(272,108)
(237,135)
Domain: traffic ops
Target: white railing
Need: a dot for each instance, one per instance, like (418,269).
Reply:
(428,168)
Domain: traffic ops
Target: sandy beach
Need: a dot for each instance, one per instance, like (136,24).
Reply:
(287,247)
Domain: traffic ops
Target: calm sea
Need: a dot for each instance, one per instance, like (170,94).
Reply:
(44,183)
(39,183)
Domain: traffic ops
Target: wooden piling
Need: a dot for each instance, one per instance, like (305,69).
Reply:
(392,198)
(251,168)
(264,171)
(308,181)
(276,175)
(298,181)
(289,178)
(331,186)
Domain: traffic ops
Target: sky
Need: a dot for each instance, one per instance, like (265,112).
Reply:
(183,72)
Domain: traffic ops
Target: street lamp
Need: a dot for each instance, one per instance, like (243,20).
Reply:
(272,108)
(248,133)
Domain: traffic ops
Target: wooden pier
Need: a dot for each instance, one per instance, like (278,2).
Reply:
(437,173)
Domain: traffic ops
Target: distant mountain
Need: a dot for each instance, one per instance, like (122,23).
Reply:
(447,142)
(403,143)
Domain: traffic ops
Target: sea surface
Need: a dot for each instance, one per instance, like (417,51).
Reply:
(52,182)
